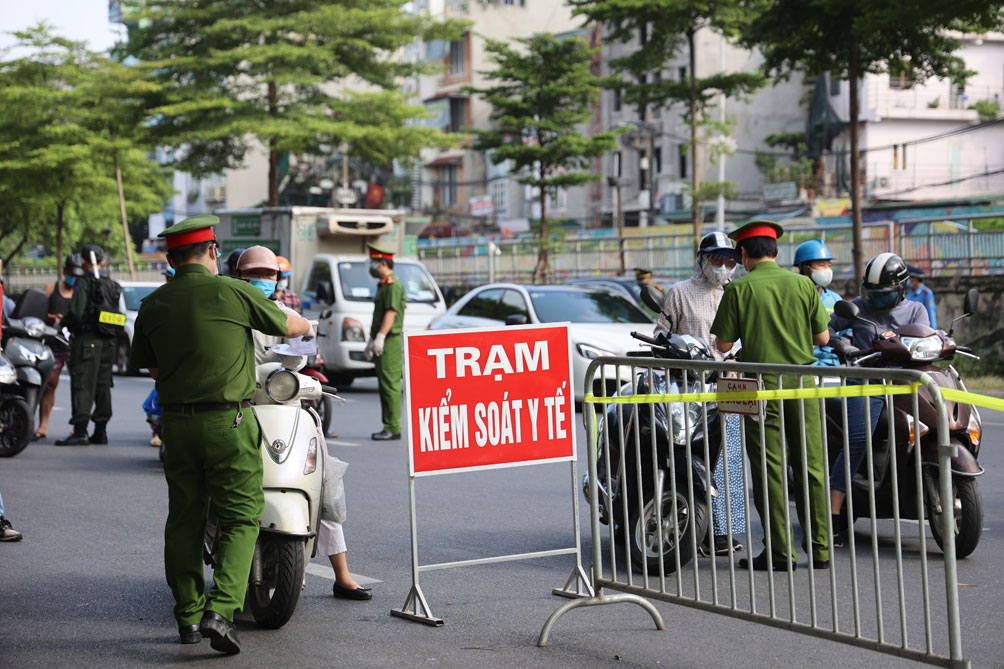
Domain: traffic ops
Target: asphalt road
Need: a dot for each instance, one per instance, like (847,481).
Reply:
(86,586)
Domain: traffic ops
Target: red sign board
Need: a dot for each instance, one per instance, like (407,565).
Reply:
(486,398)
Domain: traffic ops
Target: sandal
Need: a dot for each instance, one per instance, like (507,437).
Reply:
(721,546)
(39,435)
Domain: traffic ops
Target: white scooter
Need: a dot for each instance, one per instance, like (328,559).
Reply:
(293,473)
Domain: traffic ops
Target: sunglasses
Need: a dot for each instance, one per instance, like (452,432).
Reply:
(718,261)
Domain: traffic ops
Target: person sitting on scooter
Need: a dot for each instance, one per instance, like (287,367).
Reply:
(814,260)
(883,302)
(260,267)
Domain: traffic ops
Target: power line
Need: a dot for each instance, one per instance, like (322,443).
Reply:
(945,183)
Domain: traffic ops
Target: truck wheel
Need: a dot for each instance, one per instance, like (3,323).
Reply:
(274,599)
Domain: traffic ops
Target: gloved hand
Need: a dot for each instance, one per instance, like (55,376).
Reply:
(368,351)
(842,347)
(378,344)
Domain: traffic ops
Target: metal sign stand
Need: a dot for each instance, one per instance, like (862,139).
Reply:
(416,607)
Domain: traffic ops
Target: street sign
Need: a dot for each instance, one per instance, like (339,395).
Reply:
(346,196)
(487,398)
(482,205)
(787,190)
(745,407)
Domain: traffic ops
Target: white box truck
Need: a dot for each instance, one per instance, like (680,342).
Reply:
(327,249)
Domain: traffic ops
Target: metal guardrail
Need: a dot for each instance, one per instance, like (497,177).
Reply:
(893,602)
(18,279)
(467,263)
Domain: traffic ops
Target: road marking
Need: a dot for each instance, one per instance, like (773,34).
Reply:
(326,572)
(335,442)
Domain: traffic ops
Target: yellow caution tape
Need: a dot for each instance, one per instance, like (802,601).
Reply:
(111,318)
(965,397)
(745,396)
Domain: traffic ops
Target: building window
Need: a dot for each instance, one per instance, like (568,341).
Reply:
(643,34)
(683,161)
(617,99)
(458,57)
(458,114)
(657,162)
(500,196)
(616,166)
(448,186)
(642,170)
(834,85)
(682,73)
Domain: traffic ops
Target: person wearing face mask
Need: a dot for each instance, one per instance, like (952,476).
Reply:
(283,294)
(882,301)
(814,260)
(384,346)
(689,308)
(60,295)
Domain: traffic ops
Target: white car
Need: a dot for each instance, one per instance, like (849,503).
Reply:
(601,322)
(133,293)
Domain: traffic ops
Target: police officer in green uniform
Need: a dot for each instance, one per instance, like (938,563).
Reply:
(194,335)
(385,341)
(92,354)
(778,316)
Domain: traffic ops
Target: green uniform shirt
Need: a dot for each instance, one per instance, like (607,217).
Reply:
(774,312)
(196,330)
(390,295)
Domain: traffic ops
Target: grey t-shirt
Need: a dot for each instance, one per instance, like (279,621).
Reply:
(863,333)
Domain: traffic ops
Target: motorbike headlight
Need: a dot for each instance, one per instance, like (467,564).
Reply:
(311,464)
(352,330)
(591,352)
(7,374)
(975,430)
(282,385)
(923,349)
(34,327)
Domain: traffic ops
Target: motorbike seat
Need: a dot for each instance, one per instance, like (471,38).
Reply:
(31,303)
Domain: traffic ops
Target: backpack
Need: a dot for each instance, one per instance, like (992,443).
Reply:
(103,313)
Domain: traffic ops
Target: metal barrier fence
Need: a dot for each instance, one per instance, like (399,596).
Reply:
(651,457)
(460,262)
(18,279)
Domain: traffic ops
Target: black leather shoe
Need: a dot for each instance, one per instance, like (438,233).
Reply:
(189,633)
(98,437)
(350,593)
(760,563)
(221,633)
(76,438)
(384,435)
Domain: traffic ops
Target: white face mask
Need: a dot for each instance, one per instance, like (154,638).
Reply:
(822,277)
(716,276)
(282,284)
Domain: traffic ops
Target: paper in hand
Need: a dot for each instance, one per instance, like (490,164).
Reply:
(296,346)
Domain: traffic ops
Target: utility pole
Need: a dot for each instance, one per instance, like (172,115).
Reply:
(720,204)
(615,183)
(651,165)
(122,209)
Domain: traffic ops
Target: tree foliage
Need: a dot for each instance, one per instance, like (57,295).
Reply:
(235,71)
(67,111)
(542,90)
(667,28)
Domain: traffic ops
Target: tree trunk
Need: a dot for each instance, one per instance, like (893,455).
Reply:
(17,249)
(696,201)
(543,269)
(122,210)
(857,250)
(59,240)
(273,156)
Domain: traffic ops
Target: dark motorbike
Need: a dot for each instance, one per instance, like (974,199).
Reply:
(625,437)
(17,421)
(918,347)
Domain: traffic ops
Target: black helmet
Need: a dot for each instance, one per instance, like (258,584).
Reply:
(87,249)
(232,259)
(74,265)
(884,285)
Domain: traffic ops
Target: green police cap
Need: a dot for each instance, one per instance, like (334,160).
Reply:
(190,231)
(758,228)
(377,253)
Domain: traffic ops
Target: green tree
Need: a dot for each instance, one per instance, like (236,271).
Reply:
(57,156)
(279,73)
(664,28)
(849,38)
(540,91)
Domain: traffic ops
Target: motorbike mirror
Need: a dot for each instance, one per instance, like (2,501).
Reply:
(846,310)
(651,297)
(971,302)
(516,319)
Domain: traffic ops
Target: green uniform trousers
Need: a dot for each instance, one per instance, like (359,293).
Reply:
(207,457)
(772,508)
(389,368)
(91,359)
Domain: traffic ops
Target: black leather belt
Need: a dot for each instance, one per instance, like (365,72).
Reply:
(198,407)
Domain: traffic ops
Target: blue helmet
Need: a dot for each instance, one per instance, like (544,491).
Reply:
(814,249)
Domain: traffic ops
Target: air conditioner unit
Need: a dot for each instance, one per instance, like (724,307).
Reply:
(883,182)
(215,193)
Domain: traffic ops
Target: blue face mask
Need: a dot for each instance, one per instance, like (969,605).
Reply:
(70,280)
(266,286)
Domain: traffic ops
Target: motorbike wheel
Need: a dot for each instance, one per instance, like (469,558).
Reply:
(967,509)
(283,562)
(17,422)
(644,531)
